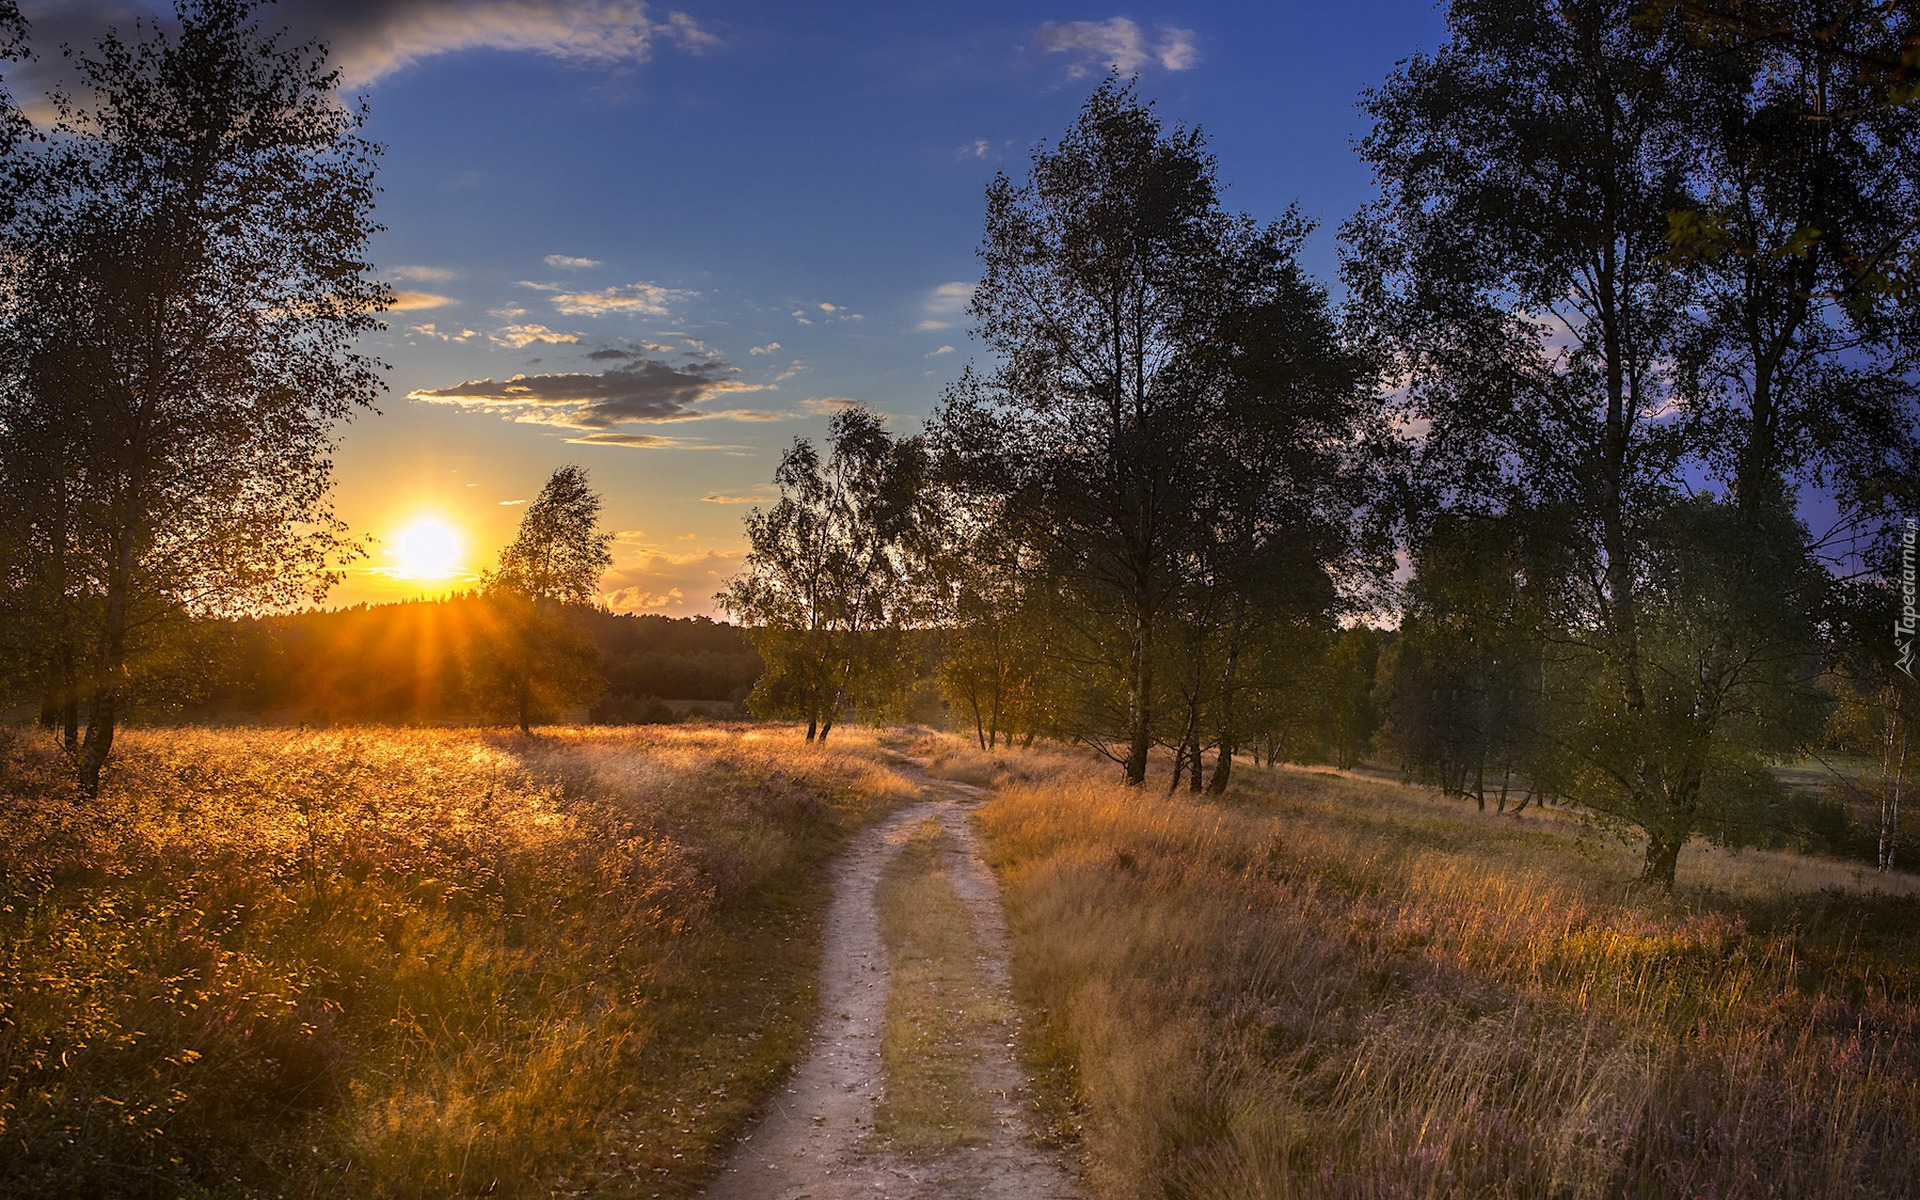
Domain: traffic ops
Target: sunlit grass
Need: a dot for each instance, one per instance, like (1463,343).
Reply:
(409,963)
(1334,987)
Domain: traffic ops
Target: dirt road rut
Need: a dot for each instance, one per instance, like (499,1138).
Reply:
(818,1142)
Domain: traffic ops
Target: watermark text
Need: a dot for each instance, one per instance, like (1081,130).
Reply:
(1903,626)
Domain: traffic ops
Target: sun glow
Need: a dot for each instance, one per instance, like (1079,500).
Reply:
(428,549)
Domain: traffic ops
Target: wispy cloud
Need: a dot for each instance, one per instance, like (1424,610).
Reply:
(431,330)
(641,441)
(374,38)
(412,301)
(638,299)
(940,351)
(419,274)
(693,39)
(944,305)
(624,354)
(1118,43)
(566,262)
(828,404)
(718,498)
(371,39)
(769,348)
(825,311)
(981,148)
(518,337)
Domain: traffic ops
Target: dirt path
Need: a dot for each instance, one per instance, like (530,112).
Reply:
(818,1142)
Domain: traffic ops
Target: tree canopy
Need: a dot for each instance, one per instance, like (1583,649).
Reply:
(1643,400)
(830,580)
(1168,418)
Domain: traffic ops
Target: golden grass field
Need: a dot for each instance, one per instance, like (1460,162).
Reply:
(450,963)
(409,963)
(1328,986)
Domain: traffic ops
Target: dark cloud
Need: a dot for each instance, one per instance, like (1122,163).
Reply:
(647,390)
(610,354)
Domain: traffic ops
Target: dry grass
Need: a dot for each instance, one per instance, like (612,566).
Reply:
(938,1002)
(954,758)
(409,963)
(1335,987)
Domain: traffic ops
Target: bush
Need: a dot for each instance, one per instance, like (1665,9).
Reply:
(610,709)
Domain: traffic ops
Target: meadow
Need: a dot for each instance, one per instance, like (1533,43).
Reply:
(1326,985)
(409,963)
(454,962)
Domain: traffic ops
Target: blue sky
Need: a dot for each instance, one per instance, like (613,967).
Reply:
(662,242)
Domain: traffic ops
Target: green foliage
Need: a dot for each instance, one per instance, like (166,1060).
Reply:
(1157,468)
(683,658)
(1348,714)
(1727,609)
(529,662)
(831,580)
(1470,689)
(1610,267)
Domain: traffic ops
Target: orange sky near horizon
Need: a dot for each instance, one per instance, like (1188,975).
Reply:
(673,564)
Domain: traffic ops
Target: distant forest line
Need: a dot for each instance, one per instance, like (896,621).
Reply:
(413,663)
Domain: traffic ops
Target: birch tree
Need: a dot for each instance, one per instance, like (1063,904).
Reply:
(183,284)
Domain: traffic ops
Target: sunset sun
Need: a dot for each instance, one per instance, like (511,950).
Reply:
(428,549)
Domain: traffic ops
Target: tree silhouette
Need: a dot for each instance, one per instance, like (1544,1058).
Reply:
(184,278)
(1869,45)
(559,553)
(530,655)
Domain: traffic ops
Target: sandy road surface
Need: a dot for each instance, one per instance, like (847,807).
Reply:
(818,1142)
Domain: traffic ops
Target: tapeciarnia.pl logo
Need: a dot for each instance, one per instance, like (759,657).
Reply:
(1903,626)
